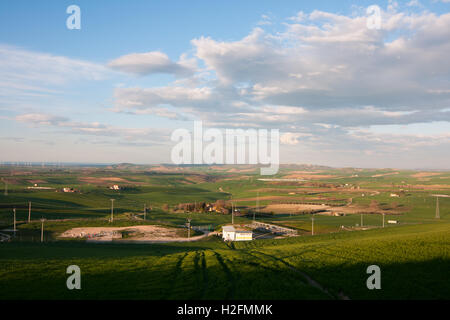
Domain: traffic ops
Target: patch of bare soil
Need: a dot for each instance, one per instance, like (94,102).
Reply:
(431,186)
(326,209)
(37,181)
(104,180)
(147,233)
(292,208)
(384,174)
(306,172)
(309,176)
(278,198)
(168,169)
(241,170)
(425,174)
(21,173)
(355,209)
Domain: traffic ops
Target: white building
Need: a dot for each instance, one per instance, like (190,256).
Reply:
(229,233)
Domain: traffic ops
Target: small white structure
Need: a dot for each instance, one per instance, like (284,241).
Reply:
(392,221)
(115,187)
(394,195)
(229,233)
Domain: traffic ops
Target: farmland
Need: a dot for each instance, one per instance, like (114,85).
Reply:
(413,254)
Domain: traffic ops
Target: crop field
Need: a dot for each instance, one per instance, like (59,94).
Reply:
(413,254)
(413,260)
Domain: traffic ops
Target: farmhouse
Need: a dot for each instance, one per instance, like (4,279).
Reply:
(229,233)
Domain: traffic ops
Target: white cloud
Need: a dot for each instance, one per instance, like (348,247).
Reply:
(415,3)
(322,78)
(42,121)
(153,62)
(34,71)
(291,138)
(40,82)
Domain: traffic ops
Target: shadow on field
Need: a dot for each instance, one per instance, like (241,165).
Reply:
(207,270)
(404,281)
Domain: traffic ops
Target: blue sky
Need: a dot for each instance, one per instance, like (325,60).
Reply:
(114,27)
(340,94)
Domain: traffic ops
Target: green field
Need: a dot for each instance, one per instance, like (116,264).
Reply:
(414,255)
(414,261)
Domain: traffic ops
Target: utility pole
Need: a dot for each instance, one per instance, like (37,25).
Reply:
(312,224)
(361,219)
(145,210)
(6,186)
(232,213)
(14,210)
(257,206)
(232,210)
(112,210)
(189,227)
(437,208)
(42,229)
(29,211)
(383,219)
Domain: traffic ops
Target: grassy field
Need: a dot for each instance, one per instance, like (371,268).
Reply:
(414,255)
(414,261)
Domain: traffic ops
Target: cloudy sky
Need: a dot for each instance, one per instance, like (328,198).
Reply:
(341,94)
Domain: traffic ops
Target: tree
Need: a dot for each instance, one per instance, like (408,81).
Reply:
(220,204)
